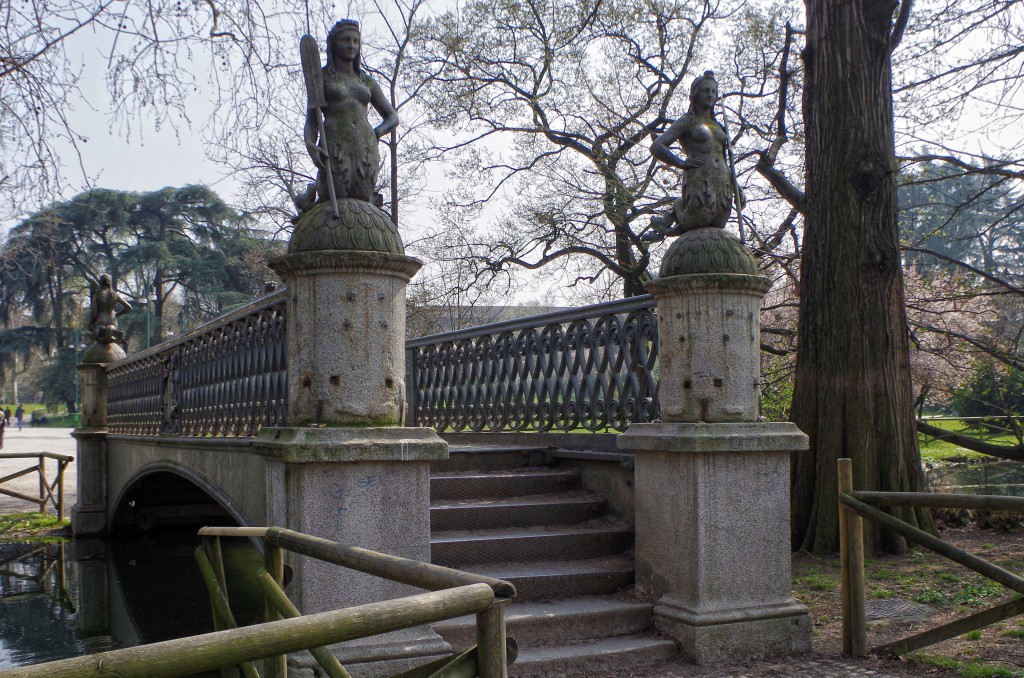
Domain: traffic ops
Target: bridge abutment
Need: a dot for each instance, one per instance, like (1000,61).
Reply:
(345,469)
(711,481)
(89,514)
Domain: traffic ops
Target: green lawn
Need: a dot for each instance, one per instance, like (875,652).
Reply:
(936,450)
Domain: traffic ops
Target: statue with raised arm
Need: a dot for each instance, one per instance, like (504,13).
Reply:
(709,184)
(338,135)
(106,306)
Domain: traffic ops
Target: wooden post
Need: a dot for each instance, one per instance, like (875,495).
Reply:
(274,596)
(273,562)
(491,660)
(851,557)
(61,465)
(221,609)
(42,484)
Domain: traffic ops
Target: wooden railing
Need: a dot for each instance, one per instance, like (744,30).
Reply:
(46,488)
(453,594)
(488,659)
(854,505)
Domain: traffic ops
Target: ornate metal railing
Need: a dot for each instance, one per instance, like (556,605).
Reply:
(589,368)
(227,377)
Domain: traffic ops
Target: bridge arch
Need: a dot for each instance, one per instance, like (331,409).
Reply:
(169,493)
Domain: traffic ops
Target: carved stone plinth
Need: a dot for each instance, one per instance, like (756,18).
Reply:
(346,336)
(712,536)
(711,482)
(366,487)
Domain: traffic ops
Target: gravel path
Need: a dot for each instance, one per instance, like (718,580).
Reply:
(30,440)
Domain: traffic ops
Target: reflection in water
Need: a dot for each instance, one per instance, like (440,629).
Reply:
(64,600)
(36,608)
(988,477)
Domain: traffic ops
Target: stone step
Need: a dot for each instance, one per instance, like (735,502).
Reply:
(544,580)
(460,548)
(495,484)
(488,458)
(557,622)
(603,656)
(479,514)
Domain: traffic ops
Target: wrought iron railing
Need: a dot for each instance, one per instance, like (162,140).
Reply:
(227,377)
(590,368)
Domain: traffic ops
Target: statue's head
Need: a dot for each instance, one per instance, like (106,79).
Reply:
(104,280)
(344,33)
(704,91)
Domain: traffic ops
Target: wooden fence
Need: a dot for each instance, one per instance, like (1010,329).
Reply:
(46,487)
(452,594)
(854,505)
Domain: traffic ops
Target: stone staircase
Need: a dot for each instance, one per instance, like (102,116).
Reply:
(502,512)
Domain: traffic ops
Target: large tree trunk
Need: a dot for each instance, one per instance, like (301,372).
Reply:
(853,390)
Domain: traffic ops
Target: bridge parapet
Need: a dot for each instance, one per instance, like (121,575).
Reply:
(227,377)
(589,368)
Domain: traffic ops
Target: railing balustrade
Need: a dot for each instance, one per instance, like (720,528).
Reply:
(227,377)
(589,368)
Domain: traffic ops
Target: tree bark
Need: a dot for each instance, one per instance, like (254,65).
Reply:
(852,394)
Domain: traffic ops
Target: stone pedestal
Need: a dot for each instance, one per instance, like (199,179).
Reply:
(345,469)
(366,487)
(712,482)
(89,514)
(712,536)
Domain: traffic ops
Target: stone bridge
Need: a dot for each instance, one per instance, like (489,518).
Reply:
(308,409)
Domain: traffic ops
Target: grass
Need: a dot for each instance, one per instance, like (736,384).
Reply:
(971,668)
(30,524)
(935,451)
(924,577)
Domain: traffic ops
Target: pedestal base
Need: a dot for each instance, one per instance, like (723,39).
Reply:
(712,536)
(88,520)
(359,486)
(768,631)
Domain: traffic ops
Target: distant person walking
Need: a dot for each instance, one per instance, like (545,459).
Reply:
(19,414)
(3,427)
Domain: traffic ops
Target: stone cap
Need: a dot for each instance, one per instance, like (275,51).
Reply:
(719,282)
(358,226)
(305,445)
(346,261)
(708,250)
(102,353)
(780,436)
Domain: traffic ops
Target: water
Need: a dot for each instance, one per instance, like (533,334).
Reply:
(988,477)
(65,600)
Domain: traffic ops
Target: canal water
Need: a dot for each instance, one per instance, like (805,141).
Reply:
(991,477)
(60,600)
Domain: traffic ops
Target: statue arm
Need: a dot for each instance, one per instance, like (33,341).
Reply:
(121,306)
(311,135)
(387,112)
(660,146)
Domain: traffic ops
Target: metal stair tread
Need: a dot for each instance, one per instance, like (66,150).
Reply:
(450,536)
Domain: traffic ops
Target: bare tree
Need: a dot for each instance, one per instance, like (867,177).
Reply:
(550,105)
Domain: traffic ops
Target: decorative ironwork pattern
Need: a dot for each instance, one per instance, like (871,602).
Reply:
(589,368)
(225,378)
